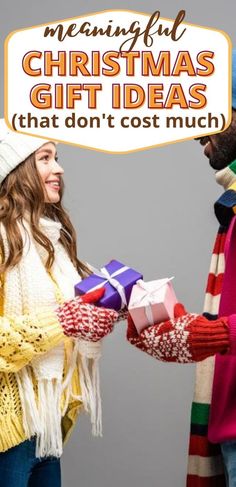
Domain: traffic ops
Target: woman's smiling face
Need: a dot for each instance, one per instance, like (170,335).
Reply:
(50,171)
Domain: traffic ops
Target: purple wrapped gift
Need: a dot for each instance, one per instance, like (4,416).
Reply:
(118,281)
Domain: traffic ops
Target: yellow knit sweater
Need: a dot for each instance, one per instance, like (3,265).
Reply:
(22,338)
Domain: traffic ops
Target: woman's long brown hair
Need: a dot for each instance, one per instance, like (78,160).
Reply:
(22,193)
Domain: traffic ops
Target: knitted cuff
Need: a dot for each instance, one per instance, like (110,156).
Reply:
(207,338)
(232,333)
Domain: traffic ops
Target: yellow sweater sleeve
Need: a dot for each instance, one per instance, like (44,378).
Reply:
(22,337)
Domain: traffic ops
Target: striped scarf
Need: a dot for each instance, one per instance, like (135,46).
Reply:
(205,465)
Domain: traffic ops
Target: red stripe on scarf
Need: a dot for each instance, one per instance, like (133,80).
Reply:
(214,284)
(195,481)
(199,445)
(219,243)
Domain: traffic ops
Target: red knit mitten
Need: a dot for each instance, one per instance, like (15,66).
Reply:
(79,318)
(186,338)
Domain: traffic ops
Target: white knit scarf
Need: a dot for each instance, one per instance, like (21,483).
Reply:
(28,288)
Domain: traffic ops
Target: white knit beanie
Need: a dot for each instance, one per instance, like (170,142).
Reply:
(15,148)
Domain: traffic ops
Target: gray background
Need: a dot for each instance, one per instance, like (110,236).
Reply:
(152,210)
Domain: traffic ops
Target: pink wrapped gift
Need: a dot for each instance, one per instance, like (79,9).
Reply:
(152,302)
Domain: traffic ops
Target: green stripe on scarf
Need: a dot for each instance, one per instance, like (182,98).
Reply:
(232,166)
(200,413)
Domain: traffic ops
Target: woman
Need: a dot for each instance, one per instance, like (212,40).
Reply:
(40,394)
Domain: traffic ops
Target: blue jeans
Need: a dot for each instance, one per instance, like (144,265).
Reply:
(228,449)
(20,468)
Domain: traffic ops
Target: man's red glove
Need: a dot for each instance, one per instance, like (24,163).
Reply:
(80,318)
(186,338)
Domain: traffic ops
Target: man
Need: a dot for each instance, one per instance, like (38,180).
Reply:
(209,339)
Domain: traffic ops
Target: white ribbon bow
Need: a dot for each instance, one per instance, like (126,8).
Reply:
(149,297)
(103,272)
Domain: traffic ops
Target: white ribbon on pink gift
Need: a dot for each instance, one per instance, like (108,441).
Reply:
(104,274)
(149,297)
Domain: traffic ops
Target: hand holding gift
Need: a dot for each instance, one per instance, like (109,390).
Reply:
(186,338)
(80,318)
